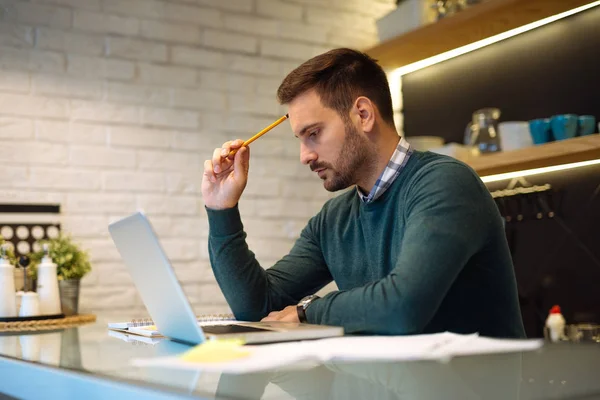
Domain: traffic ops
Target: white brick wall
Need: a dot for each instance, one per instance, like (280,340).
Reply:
(16,35)
(29,60)
(279,9)
(109,106)
(105,23)
(171,32)
(43,15)
(137,94)
(74,42)
(91,67)
(170,75)
(196,57)
(63,86)
(15,82)
(15,128)
(135,49)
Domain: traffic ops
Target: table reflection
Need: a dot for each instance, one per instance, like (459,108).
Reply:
(555,371)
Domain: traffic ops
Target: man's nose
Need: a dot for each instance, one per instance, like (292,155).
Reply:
(307,155)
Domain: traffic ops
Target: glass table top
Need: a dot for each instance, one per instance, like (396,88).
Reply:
(554,372)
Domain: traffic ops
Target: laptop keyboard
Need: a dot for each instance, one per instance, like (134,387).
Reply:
(225,329)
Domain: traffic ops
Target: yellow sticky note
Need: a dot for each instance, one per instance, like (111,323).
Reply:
(216,351)
(148,328)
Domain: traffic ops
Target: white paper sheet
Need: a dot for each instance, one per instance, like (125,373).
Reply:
(438,346)
(262,358)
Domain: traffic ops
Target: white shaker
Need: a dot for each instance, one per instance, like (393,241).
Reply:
(30,302)
(30,305)
(47,285)
(8,307)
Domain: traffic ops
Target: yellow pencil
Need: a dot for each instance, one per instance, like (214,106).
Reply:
(259,134)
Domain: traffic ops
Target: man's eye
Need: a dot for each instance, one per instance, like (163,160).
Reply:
(313,133)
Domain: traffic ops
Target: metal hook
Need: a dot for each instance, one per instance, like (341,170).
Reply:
(506,209)
(520,199)
(534,203)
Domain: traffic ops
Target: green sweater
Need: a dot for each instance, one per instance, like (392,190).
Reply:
(429,255)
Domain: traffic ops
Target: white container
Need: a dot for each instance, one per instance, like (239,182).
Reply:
(8,307)
(514,135)
(409,15)
(555,325)
(47,287)
(30,305)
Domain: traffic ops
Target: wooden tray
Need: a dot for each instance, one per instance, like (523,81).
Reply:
(46,322)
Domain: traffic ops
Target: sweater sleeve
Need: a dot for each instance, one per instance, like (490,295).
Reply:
(445,213)
(251,291)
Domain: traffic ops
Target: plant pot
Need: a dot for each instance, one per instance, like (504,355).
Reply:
(69,296)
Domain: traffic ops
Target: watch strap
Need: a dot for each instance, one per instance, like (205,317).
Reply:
(301,313)
(303,305)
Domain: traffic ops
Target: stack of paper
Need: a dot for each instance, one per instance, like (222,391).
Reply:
(135,339)
(238,359)
(152,331)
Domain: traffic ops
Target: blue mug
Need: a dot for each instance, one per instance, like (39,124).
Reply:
(586,125)
(564,126)
(540,130)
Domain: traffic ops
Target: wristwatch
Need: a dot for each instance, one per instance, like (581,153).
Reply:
(303,305)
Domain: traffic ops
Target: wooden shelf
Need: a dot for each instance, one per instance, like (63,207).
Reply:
(556,153)
(471,25)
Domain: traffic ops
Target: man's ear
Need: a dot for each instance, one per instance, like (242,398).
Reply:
(365,110)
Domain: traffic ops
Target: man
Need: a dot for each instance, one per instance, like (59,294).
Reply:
(417,246)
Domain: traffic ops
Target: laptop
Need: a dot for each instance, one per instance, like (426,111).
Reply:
(167,304)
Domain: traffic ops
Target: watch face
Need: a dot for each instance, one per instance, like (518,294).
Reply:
(307,300)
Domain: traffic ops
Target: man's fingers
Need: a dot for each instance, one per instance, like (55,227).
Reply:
(273,316)
(209,171)
(241,162)
(216,161)
(226,148)
(229,146)
(237,143)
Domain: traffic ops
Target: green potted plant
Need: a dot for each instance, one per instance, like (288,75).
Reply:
(72,264)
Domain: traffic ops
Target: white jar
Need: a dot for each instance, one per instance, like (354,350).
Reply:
(8,307)
(47,288)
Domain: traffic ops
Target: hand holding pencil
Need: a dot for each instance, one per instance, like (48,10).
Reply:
(226,174)
(259,134)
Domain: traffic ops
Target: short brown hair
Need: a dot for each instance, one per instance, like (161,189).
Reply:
(339,76)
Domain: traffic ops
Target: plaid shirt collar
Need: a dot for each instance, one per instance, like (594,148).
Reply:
(389,175)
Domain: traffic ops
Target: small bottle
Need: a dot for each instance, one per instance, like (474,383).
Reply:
(30,302)
(555,325)
(47,285)
(8,307)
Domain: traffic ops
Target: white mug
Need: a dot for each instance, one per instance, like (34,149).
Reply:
(514,135)
(30,305)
